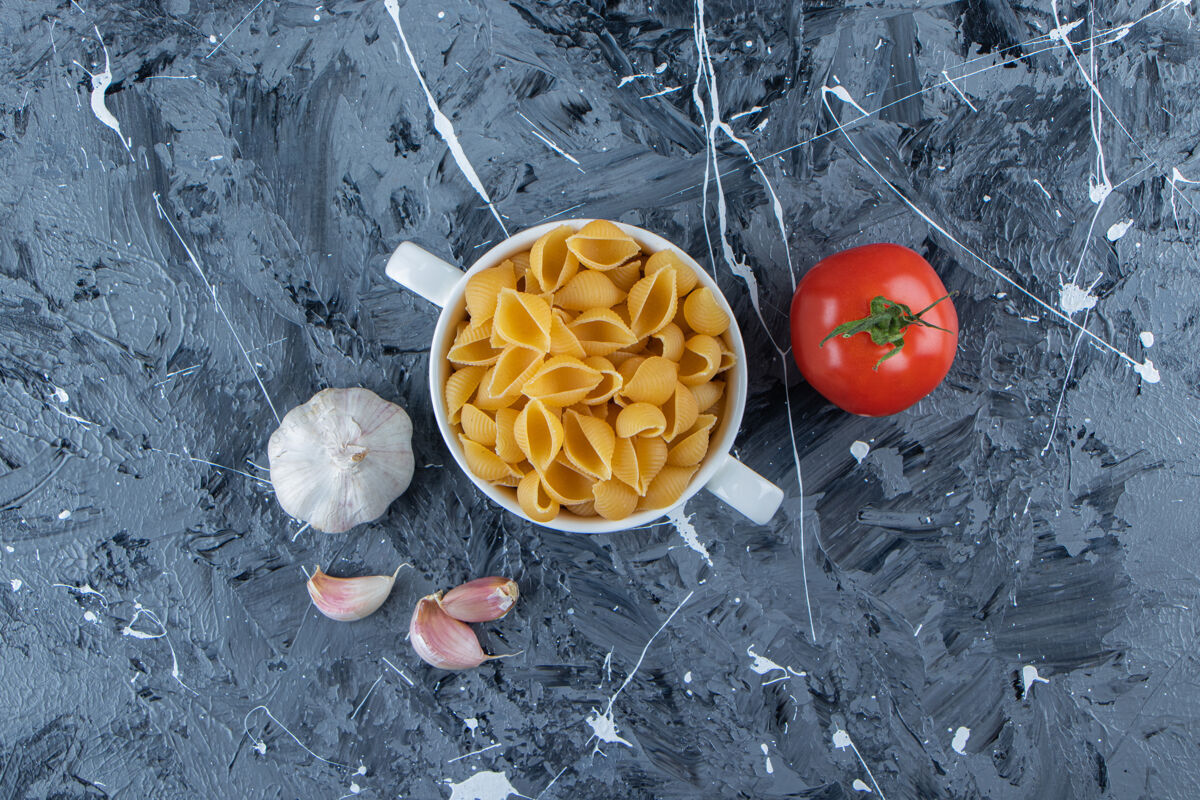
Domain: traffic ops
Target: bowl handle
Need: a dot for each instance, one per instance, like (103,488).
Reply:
(420,271)
(746,490)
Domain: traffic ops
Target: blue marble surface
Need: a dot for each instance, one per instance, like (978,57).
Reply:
(988,595)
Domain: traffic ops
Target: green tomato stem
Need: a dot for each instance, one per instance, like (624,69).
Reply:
(886,323)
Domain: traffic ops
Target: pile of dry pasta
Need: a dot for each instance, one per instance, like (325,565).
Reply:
(586,374)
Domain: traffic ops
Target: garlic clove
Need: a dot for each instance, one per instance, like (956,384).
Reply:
(441,640)
(348,599)
(341,458)
(481,600)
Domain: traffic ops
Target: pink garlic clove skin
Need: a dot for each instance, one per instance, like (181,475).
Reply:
(481,600)
(441,640)
(349,599)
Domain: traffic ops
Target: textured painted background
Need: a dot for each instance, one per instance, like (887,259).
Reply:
(996,602)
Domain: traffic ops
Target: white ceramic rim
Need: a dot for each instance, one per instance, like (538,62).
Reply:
(736,380)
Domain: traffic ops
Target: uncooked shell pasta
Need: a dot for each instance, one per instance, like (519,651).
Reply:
(587,376)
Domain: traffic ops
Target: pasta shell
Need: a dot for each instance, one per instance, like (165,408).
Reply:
(727,357)
(614,499)
(653,381)
(707,394)
(629,366)
(483,462)
(478,426)
(488,401)
(601,332)
(620,357)
(514,478)
(667,487)
(691,449)
(700,360)
(506,436)
(667,343)
(588,443)
(473,346)
(550,262)
(626,275)
(589,289)
(680,411)
(602,245)
(538,433)
(641,419)
(523,319)
(514,369)
(562,339)
(685,276)
(483,290)
(565,484)
(535,502)
(610,381)
(583,509)
(704,314)
(460,388)
(520,263)
(562,381)
(652,303)
(637,461)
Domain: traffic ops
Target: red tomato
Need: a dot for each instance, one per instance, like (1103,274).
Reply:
(848,370)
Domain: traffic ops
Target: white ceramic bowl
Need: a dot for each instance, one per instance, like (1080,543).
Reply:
(444,284)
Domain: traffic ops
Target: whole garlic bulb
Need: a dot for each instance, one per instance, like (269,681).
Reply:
(341,458)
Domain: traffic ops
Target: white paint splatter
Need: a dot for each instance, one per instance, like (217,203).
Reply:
(842,740)
(129,630)
(687,676)
(859,450)
(842,94)
(859,786)
(1060,33)
(261,746)
(472,725)
(761,664)
(747,112)
(959,743)
(212,290)
(603,725)
(1147,338)
(1118,229)
(766,754)
(546,140)
(1029,676)
(661,68)
(86,589)
(631,78)
(1073,298)
(476,752)
(1148,372)
(966,99)
(100,83)
(668,90)
(90,616)
(60,394)
(64,514)
(441,123)
(687,532)
(604,728)
(213,39)
(16,584)
(484,785)
(740,268)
